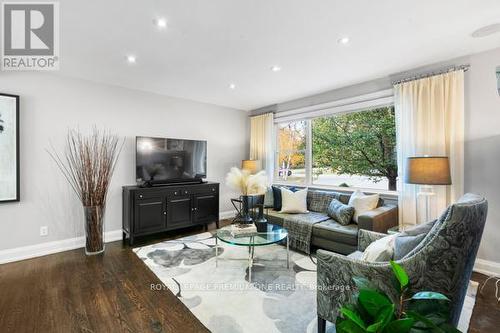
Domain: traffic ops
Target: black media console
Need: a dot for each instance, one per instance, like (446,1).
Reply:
(150,210)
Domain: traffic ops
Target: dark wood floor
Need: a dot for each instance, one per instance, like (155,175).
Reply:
(69,292)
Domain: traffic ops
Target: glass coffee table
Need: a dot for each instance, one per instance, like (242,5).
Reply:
(273,235)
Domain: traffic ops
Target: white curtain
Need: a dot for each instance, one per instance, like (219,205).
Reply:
(430,121)
(262,141)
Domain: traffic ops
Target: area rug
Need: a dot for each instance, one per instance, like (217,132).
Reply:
(277,300)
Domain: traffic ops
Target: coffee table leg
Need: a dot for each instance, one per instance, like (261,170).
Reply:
(287,253)
(250,263)
(216,251)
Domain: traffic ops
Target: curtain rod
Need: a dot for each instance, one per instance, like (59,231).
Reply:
(465,68)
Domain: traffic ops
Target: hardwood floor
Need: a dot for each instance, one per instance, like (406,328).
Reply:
(69,292)
(486,315)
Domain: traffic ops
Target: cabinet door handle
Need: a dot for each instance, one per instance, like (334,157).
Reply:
(140,196)
(164,213)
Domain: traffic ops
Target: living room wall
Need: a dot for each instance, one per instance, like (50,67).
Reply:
(50,105)
(482,133)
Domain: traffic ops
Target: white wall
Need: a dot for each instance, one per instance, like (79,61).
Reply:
(50,105)
(482,146)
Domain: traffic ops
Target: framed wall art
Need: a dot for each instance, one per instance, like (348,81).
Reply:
(9,148)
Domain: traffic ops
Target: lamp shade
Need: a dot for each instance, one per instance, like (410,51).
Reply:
(251,166)
(428,170)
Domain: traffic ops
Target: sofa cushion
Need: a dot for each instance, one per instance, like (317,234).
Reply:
(362,203)
(293,202)
(276,198)
(318,201)
(409,239)
(278,218)
(331,229)
(358,255)
(381,250)
(340,212)
(277,201)
(269,197)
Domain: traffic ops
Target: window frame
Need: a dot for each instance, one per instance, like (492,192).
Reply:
(308,114)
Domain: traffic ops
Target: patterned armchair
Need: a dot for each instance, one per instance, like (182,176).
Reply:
(442,262)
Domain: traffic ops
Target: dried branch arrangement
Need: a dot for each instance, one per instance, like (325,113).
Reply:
(88,164)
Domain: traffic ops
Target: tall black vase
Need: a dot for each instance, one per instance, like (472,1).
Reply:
(246,203)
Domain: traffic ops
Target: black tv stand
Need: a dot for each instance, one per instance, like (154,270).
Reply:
(155,209)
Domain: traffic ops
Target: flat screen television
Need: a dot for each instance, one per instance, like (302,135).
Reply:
(165,160)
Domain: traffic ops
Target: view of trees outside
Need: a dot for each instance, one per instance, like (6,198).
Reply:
(292,151)
(355,149)
(356,144)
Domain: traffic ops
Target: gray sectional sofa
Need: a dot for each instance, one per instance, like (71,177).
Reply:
(331,235)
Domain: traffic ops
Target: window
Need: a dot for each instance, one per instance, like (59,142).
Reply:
(291,154)
(356,149)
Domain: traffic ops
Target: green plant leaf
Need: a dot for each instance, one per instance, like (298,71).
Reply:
(430,295)
(419,318)
(429,306)
(372,301)
(353,316)
(399,326)
(348,326)
(400,275)
(386,314)
(374,327)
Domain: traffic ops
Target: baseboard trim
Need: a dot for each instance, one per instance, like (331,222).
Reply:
(487,267)
(43,249)
(227,214)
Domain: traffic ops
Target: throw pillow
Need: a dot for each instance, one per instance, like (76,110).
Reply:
(362,203)
(318,201)
(405,243)
(381,250)
(339,212)
(276,197)
(269,198)
(409,239)
(293,202)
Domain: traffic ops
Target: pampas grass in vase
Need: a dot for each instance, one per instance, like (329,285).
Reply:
(248,185)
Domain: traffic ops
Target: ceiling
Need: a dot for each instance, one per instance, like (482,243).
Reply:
(210,44)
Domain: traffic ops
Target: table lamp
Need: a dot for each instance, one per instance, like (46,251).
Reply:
(251,166)
(428,171)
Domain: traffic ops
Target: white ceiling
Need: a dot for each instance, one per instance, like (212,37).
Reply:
(211,43)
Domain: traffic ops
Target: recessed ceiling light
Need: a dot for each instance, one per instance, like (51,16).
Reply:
(131,59)
(486,31)
(275,68)
(343,40)
(161,23)
(232,86)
